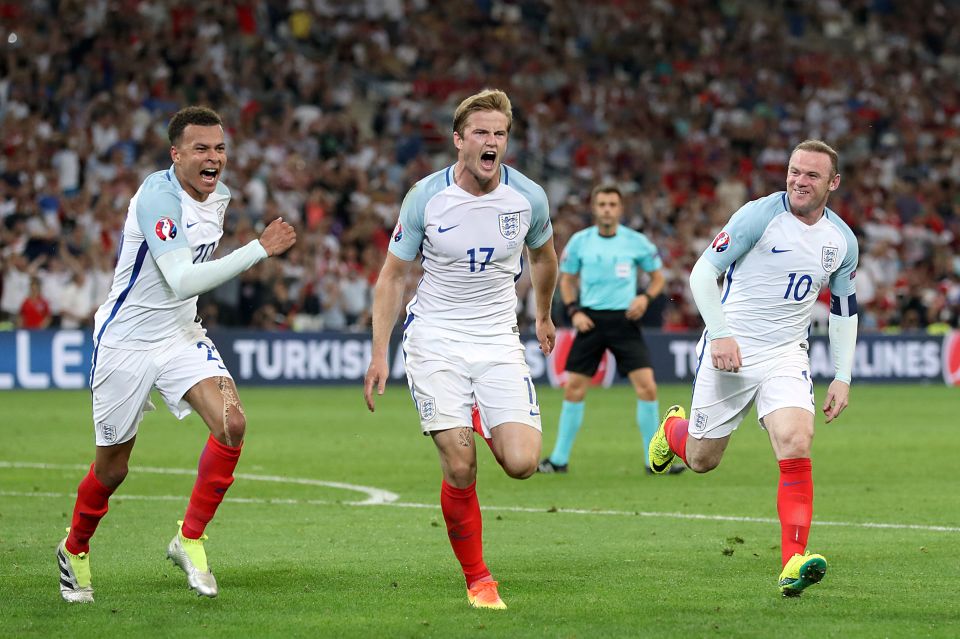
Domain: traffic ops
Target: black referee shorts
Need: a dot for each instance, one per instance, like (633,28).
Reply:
(611,330)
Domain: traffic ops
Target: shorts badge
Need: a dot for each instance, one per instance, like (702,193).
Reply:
(699,422)
(107,432)
(427,408)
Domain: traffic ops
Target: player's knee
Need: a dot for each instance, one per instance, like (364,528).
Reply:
(234,428)
(460,472)
(111,475)
(519,465)
(702,463)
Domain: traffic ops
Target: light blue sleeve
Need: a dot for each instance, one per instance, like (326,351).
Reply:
(743,230)
(843,288)
(648,255)
(570,261)
(540,227)
(158,214)
(408,234)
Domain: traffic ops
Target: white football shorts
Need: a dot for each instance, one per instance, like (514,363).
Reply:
(446,377)
(121,381)
(722,399)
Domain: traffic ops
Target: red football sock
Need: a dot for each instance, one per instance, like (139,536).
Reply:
(794,505)
(676,432)
(477,427)
(461,511)
(214,476)
(89,509)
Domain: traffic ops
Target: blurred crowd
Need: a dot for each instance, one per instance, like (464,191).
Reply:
(334,108)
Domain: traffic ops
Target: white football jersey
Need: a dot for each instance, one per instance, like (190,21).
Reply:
(775,266)
(141,309)
(471,250)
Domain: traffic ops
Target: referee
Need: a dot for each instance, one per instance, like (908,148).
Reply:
(601,263)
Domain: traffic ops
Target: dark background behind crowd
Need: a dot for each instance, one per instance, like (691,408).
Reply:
(334,108)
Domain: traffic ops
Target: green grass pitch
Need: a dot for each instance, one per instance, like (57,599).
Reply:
(604,551)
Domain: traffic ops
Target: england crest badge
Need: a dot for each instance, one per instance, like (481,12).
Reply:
(428,408)
(510,225)
(829,258)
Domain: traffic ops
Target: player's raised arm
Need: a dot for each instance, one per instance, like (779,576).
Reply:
(187,279)
(543,273)
(278,237)
(387,299)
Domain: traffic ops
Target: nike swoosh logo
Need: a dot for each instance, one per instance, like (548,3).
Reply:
(192,224)
(776,250)
(660,468)
(534,414)
(794,483)
(449,228)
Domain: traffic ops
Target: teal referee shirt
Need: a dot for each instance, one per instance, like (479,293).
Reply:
(607,266)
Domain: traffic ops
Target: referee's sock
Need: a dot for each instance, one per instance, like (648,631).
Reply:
(571,417)
(648,420)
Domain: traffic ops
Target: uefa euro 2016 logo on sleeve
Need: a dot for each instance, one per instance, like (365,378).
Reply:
(721,242)
(166,229)
(398,233)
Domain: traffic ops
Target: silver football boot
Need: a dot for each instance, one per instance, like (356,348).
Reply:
(75,582)
(190,556)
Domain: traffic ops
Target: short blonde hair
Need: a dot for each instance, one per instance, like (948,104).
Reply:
(819,146)
(486,100)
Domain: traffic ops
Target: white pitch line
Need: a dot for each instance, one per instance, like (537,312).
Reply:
(375,496)
(387,498)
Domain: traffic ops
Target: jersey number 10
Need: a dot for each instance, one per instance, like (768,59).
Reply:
(804,282)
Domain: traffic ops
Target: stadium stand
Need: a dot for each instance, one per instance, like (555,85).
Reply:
(335,108)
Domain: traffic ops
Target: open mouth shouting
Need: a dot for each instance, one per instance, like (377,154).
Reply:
(488,159)
(209,176)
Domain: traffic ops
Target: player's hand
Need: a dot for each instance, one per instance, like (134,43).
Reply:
(582,322)
(638,307)
(377,375)
(547,335)
(838,396)
(277,237)
(725,353)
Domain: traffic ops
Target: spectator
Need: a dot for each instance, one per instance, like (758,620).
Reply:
(330,104)
(35,311)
